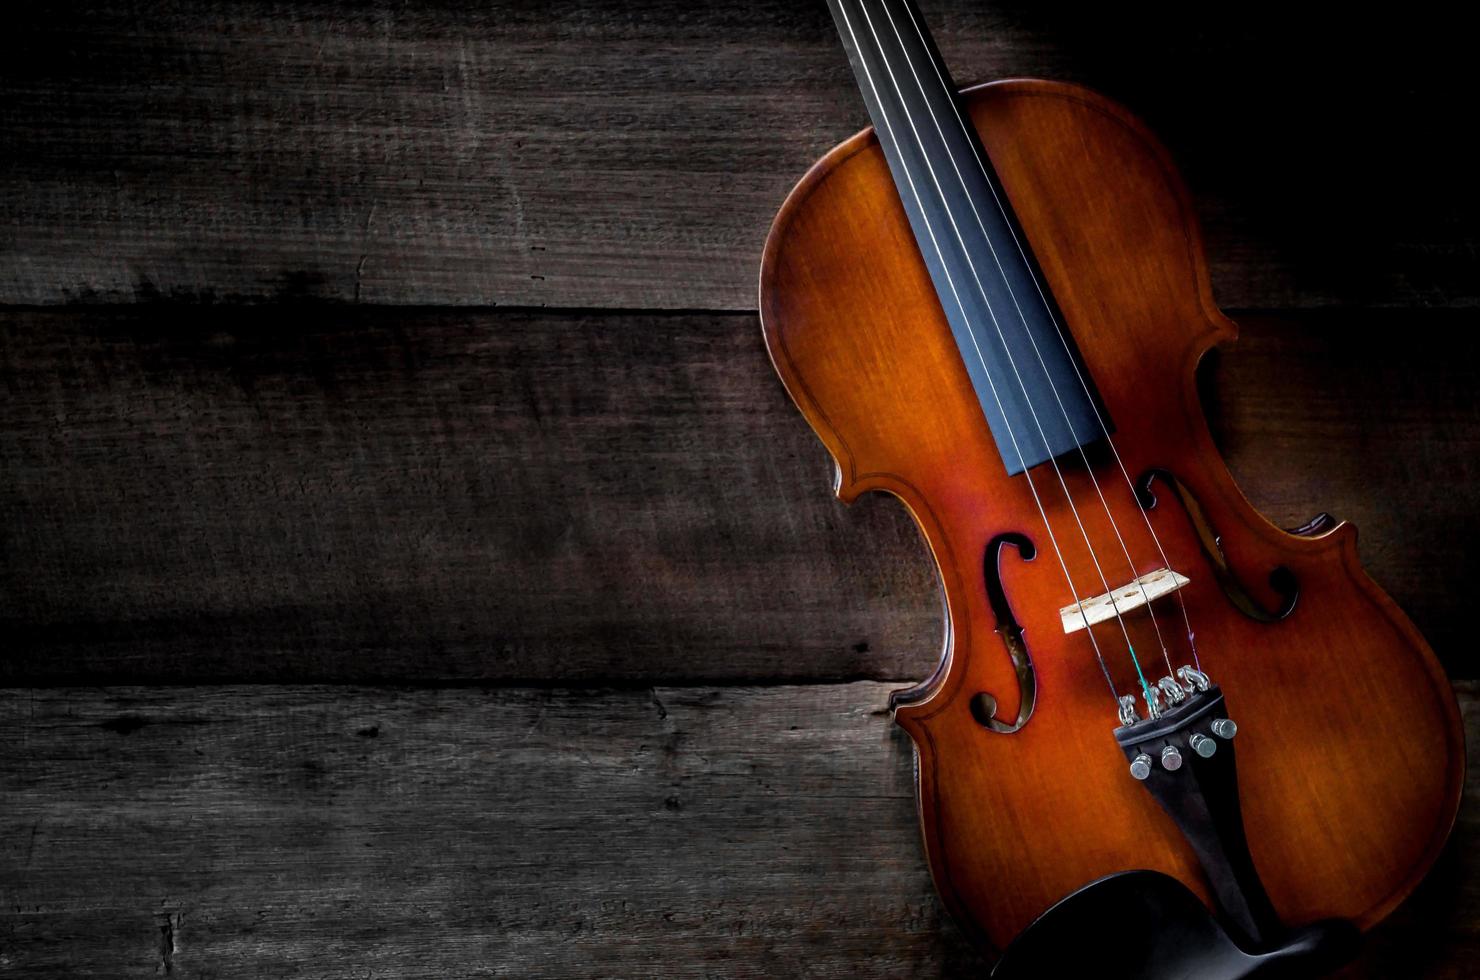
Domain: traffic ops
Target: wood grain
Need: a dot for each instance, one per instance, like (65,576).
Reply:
(340,495)
(332,832)
(336,832)
(337,495)
(618,154)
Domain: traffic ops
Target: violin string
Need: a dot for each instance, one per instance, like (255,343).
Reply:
(1012,362)
(1038,501)
(1023,319)
(1063,338)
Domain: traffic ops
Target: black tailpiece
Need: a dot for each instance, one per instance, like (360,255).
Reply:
(1144,925)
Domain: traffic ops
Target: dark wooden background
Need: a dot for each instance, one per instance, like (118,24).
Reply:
(411,564)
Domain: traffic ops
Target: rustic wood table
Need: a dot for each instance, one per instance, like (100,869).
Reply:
(411,563)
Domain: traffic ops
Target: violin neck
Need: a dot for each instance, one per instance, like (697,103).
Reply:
(1035,393)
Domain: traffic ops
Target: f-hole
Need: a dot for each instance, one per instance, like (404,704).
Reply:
(984,705)
(1281,579)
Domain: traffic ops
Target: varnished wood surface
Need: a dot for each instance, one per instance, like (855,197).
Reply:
(857,335)
(338,832)
(329,494)
(617,153)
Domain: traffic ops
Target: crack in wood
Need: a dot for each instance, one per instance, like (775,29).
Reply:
(168,923)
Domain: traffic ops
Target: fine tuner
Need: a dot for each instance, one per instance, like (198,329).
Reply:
(1189,681)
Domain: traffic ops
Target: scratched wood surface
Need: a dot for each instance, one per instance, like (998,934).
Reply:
(620,153)
(637,652)
(343,831)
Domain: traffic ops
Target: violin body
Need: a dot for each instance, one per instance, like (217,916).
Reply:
(1350,748)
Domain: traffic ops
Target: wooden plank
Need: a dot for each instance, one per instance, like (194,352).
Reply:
(338,832)
(298,495)
(632,155)
(338,495)
(332,832)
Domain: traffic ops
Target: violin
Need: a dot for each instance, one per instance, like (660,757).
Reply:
(1164,734)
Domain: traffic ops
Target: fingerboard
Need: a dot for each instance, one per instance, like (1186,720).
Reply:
(1037,397)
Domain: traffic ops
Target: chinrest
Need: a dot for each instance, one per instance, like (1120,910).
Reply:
(1144,925)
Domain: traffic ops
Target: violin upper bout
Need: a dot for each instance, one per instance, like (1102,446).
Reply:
(854,326)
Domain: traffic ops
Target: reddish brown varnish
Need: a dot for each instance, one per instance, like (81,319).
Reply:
(1350,746)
